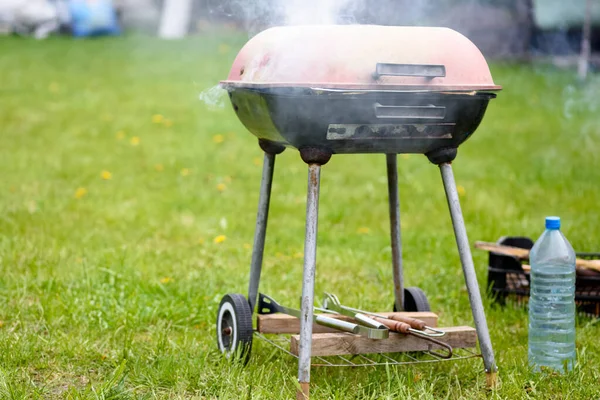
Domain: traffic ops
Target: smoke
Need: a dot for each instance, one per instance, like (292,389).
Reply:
(260,14)
(324,12)
(214,98)
(581,101)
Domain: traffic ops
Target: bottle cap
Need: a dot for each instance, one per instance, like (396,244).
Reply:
(552,222)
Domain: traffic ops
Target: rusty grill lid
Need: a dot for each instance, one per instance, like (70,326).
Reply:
(361,57)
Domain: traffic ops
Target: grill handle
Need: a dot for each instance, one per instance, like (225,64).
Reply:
(410,112)
(423,70)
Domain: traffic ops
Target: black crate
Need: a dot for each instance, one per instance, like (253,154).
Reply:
(506,278)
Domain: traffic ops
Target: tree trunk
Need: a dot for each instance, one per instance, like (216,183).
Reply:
(584,57)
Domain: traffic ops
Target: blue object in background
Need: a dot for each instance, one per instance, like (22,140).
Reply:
(93,18)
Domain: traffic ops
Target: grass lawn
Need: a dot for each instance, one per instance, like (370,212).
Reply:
(117,180)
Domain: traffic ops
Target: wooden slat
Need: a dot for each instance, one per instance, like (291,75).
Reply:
(331,344)
(282,323)
(523,254)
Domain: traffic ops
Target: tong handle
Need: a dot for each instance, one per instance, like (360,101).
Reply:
(414,323)
(418,325)
(395,326)
(424,70)
(403,327)
(336,324)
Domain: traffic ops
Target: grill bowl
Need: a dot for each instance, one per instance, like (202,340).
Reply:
(361,89)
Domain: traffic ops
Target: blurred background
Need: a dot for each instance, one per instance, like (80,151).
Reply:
(500,28)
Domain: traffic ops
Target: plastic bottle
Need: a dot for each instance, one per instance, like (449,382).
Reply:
(552,301)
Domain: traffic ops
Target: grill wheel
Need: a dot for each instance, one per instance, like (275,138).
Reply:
(234,327)
(415,300)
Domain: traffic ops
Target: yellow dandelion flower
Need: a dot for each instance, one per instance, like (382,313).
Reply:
(167,123)
(120,135)
(363,230)
(159,167)
(247,246)
(218,138)
(201,241)
(134,141)
(298,254)
(461,190)
(220,239)
(221,187)
(257,161)
(157,119)
(224,48)
(106,175)
(80,192)
(185,171)
(166,279)
(54,87)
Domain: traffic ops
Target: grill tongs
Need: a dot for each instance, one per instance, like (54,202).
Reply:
(409,326)
(374,330)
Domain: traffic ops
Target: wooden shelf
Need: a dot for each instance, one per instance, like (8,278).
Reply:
(331,344)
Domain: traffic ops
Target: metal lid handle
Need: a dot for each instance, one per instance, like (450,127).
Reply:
(423,70)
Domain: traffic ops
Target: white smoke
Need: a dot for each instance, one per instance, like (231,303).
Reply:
(263,13)
(259,14)
(214,98)
(323,12)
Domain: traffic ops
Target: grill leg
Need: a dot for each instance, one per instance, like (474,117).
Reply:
(308,280)
(469,271)
(394,201)
(261,228)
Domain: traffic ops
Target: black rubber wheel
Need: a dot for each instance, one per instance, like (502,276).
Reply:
(415,300)
(234,327)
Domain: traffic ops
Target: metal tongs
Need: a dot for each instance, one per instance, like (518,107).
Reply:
(394,323)
(332,303)
(374,330)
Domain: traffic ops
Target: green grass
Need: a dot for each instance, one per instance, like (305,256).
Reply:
(113,295)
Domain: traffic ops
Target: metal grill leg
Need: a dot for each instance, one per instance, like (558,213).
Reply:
(308,279)
(394,202)
(469,271)
(261,228)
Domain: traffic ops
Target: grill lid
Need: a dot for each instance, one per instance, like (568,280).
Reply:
(361,57)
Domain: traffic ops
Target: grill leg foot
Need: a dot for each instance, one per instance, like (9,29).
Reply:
(394,203)
(303,392)
(491,379)
(308,277)
(466,260)
(261,228)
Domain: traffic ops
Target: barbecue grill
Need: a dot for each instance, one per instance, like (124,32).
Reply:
(327,90)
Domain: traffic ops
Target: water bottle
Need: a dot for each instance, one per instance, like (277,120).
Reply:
(552,301)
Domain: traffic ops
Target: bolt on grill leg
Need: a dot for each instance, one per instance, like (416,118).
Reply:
(469,271)
(308,280)
(394,202)
(261,228)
